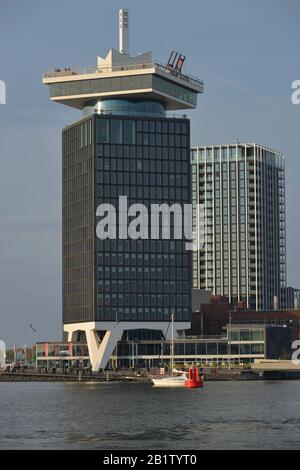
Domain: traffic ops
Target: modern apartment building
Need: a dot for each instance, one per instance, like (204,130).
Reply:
(124,145)
(242,188)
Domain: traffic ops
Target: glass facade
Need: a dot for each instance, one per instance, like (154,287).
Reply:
(147,160)
(242,188)
(123,84)
(133,107)
(65,350)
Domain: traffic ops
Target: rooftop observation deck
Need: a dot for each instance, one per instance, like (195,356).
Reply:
(123,77)
(60,75)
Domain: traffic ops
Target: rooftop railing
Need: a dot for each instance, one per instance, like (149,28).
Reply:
(67,71)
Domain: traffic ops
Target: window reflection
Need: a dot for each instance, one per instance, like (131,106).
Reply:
(116,131)
(129,132)
(103,126)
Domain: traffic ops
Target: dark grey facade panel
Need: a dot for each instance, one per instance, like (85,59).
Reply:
(147,160)
(78,223)
(278,342)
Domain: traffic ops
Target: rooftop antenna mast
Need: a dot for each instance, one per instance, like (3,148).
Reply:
(124,31)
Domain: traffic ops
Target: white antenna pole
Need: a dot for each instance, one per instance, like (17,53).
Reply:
(124,31)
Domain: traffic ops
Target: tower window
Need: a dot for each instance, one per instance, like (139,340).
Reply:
(116,131)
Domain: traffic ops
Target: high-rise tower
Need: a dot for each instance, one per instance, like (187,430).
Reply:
(124,145)
(242,187)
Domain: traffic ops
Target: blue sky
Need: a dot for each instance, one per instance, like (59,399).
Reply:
(247,54)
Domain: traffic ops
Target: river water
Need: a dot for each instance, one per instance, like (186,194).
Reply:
(222,415)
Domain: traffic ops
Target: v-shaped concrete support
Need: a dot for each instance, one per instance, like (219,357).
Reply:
(101,351)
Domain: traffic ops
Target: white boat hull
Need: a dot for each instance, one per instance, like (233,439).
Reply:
(174,382)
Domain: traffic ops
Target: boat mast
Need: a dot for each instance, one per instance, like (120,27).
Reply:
(172,357)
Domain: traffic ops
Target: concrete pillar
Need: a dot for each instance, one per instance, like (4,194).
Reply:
(100,352)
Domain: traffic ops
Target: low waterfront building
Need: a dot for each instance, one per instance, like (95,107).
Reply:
(284,318)
(211,318)
(242,344)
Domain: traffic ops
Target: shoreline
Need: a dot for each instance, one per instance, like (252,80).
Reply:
(126,378)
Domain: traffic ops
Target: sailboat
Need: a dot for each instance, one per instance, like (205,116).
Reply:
(174,380)
(190,380)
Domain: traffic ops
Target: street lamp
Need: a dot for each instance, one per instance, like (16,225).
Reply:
(34,342)
(116,325)
(229,342)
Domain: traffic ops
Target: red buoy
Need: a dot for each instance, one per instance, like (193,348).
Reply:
(193,381)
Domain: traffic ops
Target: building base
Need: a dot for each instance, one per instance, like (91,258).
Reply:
(101,351)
